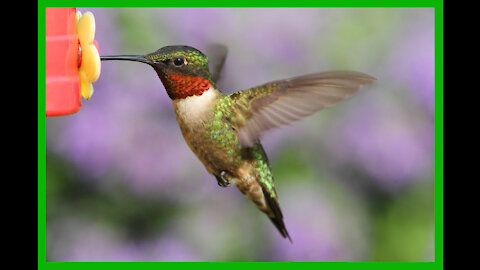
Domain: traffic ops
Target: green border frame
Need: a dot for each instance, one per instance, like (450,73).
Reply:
(437,5)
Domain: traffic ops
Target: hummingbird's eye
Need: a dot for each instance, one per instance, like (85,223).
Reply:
(179,61)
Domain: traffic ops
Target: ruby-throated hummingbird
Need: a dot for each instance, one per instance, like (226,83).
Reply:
(224,130)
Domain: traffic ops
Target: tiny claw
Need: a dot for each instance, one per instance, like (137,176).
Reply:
(221,180)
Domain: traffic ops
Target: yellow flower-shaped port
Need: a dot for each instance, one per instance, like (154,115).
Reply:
(89,70)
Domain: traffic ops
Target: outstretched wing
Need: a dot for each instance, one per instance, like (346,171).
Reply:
(285,101)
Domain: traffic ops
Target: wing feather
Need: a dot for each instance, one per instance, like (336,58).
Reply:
(282,102)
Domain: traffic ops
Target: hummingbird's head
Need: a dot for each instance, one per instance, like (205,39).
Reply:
(183,70)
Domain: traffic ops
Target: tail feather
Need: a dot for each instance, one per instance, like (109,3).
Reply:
(277,218)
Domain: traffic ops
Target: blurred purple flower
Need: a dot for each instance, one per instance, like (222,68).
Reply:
(199,26)
(93,242)
(317,229)
(312,242)
(388,144)
(170,249)
(413,60)
(278,39)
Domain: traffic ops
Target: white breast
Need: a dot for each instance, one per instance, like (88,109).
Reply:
(195,108)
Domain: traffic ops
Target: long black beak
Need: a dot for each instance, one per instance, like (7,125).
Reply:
(135,58)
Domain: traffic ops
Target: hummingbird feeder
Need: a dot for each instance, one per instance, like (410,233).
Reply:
(72,60)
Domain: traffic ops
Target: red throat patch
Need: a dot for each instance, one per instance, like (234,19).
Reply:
(182,86)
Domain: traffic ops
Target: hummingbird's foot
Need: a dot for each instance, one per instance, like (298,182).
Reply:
(222,180)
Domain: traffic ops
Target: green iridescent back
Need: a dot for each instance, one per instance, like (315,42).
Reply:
(229,115)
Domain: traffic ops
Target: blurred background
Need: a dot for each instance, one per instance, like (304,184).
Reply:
(355,181)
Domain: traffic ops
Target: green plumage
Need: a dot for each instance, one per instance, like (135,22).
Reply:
(228,116)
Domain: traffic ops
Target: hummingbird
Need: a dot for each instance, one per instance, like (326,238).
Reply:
(224,130)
